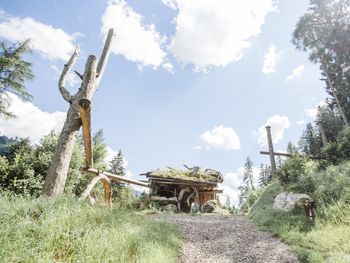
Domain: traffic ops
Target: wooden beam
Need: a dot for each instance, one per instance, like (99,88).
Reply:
(114,177)
(85,115)
(290,155)
(277,153)
(271,152)
(106,186)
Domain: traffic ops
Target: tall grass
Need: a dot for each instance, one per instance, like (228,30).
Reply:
(65,230)
(326,240)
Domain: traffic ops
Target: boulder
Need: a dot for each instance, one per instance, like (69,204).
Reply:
(287,201)
(209,206)
(170,208)
(195,208)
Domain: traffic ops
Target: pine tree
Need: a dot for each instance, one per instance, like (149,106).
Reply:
(247,184)
(228,202)
(14,71)
(116,166)
(264,175)
(323,31)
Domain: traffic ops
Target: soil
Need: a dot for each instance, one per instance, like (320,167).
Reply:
(224,239)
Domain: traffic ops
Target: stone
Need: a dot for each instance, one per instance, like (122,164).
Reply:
(209,206)
(287,201)
(170,208)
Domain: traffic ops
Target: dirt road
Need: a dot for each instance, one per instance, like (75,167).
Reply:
(223,239)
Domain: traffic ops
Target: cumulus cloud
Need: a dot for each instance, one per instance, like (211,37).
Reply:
(50,42)
(215,33)
(312,112)
(278,125)
(136,41)
(296,73)
(232,181)
(31,121)
(301,122)
(270,60)
(220,137)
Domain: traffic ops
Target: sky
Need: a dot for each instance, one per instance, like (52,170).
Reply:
(189,81)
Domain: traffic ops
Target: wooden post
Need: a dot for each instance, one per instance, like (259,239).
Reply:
(85,115)
(271,152)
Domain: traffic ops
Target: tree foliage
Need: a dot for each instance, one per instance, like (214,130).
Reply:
(14,71)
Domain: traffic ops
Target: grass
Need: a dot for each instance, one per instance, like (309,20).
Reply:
(312,241)
(200,176)
(65,230)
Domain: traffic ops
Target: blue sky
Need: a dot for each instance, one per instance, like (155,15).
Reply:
(189,82)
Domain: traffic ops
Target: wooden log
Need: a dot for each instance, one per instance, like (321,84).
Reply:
(290,155)
(115,177)
(277,153)
(85,115)
(106,186)
(271,152)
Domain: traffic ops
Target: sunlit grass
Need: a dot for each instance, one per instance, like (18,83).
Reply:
(65,230)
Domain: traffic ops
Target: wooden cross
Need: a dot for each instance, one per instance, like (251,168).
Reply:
(272,153)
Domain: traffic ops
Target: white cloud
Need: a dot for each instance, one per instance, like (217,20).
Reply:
(296,73)
(231,183)
(168,67)
(215,33)
(135,40)
(31,121)
(301,122)
(278,125)
(312,112)
(221,138)
(270,60)
(71,78)
(50,42)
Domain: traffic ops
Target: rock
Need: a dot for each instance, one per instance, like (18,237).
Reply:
(287,201)
(195,208)
(209,206)
(170,208)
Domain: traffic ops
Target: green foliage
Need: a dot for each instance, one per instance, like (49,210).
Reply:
(339,150)
(99,151)
(247,185)
(123,197)
(65,230)
(25,166)
(14,71)
(116,166)
(326,240)
(323,32)
(251,197)
(264,175)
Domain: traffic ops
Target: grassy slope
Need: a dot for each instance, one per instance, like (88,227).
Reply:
(312,242)
(64,230)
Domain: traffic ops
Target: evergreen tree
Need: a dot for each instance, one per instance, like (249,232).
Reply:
(291,149)
(116,166)
(247,184)
(264,175)
(324,32)
(228,202)
(310,142)
(14,71)
(99,151)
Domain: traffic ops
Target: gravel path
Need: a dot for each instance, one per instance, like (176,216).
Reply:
(223,239)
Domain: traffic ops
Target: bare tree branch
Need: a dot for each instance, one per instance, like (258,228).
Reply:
(104,56)
(67,67)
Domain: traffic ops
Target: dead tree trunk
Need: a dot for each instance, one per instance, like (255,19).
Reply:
(57,173)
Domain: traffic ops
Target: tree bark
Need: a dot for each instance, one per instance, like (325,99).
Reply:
(57,173)
(271,152)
